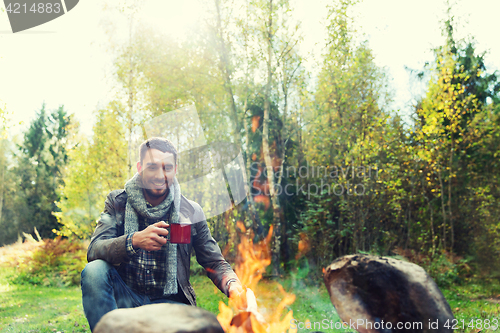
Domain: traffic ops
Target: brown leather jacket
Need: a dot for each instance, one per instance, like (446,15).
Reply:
(108,243)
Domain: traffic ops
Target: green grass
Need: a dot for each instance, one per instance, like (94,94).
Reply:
(313,304)
(474,300)
(207,295)
(47,309)
(42,309)
(50,309)
(39,309)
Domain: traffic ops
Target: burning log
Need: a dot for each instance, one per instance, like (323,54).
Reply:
(159,318)
(249,320)
(242,315)
(377,294)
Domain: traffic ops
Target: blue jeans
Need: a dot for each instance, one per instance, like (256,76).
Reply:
(103,290)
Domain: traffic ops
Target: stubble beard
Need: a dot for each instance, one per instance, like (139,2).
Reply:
(154,193)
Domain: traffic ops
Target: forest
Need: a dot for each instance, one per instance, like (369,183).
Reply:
(332,167)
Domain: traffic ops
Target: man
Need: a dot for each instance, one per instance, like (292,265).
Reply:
(131,263)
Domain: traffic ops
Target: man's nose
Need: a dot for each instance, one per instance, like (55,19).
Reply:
(161,174)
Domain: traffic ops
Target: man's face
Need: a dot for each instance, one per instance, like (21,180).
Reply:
(157,172)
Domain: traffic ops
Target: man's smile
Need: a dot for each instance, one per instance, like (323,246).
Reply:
(158,183)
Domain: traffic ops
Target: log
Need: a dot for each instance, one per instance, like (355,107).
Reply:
(378,294)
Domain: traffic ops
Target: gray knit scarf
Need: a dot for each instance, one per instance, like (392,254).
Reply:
(136,204)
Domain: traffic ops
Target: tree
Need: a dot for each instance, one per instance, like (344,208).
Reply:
(3,162)
(347,136)
(95,168)
(8,222)
(220,38)
(277,40)
(40,162)
(456,121)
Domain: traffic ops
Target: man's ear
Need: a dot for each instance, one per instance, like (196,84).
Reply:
(139,167)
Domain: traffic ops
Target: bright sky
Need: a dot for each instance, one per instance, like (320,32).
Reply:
(67,61)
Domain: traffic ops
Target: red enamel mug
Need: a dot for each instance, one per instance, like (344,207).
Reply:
(180,233)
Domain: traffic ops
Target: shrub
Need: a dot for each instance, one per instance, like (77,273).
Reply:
(446,269)
(19,252)
(58,262)
(443,267)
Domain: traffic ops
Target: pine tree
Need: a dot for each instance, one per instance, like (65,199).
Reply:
(40,162)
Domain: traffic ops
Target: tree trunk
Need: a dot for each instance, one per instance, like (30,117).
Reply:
(432,230)
(452,240)
(226,71)
(276,243)
(254,216)
(1,191)
(130,100)
(443,209)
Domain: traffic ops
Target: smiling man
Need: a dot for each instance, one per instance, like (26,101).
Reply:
(131,262)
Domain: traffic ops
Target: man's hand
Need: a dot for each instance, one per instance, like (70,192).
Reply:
(150,238)
(238,294)
(245,300)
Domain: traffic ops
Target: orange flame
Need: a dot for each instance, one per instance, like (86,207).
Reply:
(261,185)
(251,264)
(303,246)
(262,199)
(255,123)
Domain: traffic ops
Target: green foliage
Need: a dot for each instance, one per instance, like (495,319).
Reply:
(447,271)
(8,208)
(455,148)
(95,168)
(58,262)
(348,133)
(38,173)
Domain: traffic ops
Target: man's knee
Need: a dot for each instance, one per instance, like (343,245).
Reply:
(95,273)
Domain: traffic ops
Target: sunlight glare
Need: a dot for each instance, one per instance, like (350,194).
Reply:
(175,18)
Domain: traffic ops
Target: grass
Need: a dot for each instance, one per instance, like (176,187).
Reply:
(473,301)
(207,295)
(39,309)
(50,309)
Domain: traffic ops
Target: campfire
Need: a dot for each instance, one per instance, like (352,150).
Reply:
(266,318)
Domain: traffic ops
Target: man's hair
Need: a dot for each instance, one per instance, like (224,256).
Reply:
(162,144)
